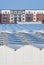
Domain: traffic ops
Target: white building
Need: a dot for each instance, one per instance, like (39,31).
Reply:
(17,16)
(5,11)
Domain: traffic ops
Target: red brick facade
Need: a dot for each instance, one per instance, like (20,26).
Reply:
(5,18)
(39,17)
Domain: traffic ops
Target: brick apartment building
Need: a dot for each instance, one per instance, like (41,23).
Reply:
(5,16)
(14,16)
(34,15)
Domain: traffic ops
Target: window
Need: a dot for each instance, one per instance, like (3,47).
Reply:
(12,22)
(37,12)
(28,19)
(15,12)
(11,18)
(29,12)
(8,12)
(34,12)
(5,20)
(23,15)
(23,11)
(5,15)
(19,19)
(11,15)
(34,18)
(19,12)
(19,15)
(23,18)
(12,12)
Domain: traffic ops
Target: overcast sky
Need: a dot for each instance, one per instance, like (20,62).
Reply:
(21,4)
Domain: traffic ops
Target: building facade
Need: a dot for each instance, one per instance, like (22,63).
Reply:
(14,16)
(5,16)
(17,16)
(34,15)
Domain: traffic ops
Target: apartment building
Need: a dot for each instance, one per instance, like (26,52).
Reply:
(14,16)
(40,15)
(5,16)
(34,15)
(28,15)
(17,16)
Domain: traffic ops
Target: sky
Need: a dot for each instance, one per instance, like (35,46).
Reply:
(21,4)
